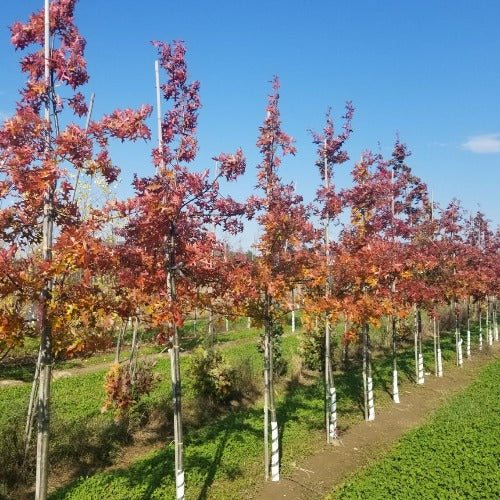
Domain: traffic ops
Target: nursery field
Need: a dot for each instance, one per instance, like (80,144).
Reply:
(173,325)
(456,454)
(96,456)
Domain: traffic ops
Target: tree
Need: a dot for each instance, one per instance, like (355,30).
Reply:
(171,261)
(37,156)
(330,154)
(282,258)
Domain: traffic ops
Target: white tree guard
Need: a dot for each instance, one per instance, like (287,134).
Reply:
(490,336)
(275,452)
(395,389)
(179,485)
(496,332)
(468,344)
(420,369)
(480,339)
(460,359)
(333,414)
(439,363)
(371,405)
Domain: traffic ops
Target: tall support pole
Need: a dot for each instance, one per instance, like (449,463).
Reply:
(87,123)
(468,329)
(46,333)
(434,337)
(495,319)
(480,340)
(226,319)
(211,326)
(158,114)
(395,385)
(415,344)
(367,364)
(330,393)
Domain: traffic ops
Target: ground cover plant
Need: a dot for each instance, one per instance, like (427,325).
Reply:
(230,459)
(454,455)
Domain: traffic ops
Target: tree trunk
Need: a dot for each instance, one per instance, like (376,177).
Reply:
(30,417)
(330,393)
(345,349)
(420,353)
(134,349)
(42,452)
(371,403)
(395,389)
(468,329)
(211,336)
(367,376)
(271,466)
(365,379)
(439,357)
(488,322)
(176,399)
(434,338)
(266,398)
(480,340)
(419,362)
(275,450)
(495,319)
(293,311)
(175,372)
(458,337)
(119,341)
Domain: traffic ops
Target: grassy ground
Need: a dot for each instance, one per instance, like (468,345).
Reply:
(21,365)
(455,455)
(223,453)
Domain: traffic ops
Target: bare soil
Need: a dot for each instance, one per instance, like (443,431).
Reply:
(316,475)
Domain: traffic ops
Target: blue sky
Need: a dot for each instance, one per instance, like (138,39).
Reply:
(428,70)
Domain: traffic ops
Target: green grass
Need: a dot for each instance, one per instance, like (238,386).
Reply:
(24,368)
(223,456)
(455,455)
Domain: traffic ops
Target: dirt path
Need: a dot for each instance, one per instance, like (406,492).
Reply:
(76,371)
(363,443)
(105,365)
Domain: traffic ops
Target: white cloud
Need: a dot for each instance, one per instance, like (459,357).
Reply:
(483,144)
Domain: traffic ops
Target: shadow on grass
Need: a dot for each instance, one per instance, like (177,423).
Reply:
(207,457)
(223,449)
(22,369)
